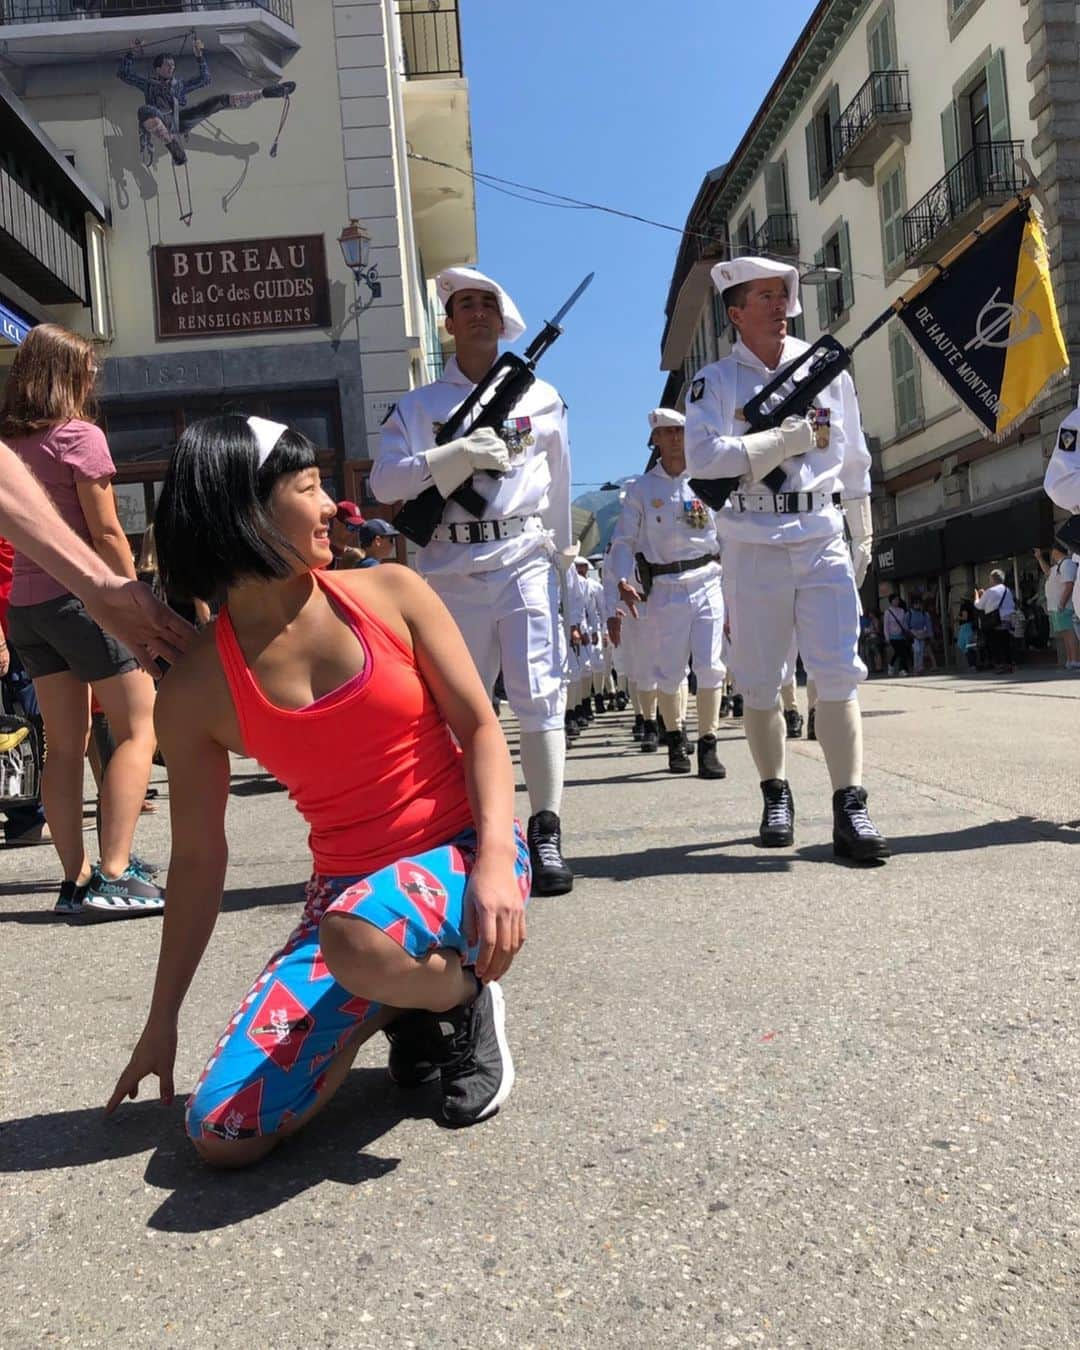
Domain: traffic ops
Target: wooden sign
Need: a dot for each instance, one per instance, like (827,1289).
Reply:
(240,287)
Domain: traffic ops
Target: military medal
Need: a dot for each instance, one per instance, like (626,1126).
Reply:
(517,435)
(822,421)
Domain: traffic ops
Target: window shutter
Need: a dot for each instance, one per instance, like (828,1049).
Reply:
(822,294)
(950,138)
(776,199)
(845,264)
(811,158)
(997,96)
(892,205)
(834,121)
(881,39)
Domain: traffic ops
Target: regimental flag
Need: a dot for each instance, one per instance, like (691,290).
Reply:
(986,320)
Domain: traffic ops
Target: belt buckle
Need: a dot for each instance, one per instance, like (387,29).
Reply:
(487,531)
(778,502)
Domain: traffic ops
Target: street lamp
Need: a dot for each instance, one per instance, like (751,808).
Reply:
(355,245)
(820,276)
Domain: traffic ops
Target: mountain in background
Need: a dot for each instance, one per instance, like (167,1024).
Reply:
(605,507)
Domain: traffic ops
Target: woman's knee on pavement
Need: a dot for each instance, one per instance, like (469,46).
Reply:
(235,1153)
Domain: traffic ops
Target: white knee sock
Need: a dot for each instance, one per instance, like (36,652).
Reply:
(839,732)
(787,696)
(766,736)
(670,706)
(648,699)
(543,765)
(708,711)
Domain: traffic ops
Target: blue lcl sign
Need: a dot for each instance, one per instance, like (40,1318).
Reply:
(13,325)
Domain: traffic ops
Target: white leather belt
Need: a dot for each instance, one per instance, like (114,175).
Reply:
(484,531)
(784,503)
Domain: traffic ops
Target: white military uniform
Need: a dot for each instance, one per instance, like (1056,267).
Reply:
(663,519)
(1062,479)
(780,569)
(503,593)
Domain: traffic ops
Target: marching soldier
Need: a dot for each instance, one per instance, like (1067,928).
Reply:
(673,536)
(498,576)
(787,570)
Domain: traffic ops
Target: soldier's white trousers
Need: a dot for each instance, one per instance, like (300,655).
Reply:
(805,591)
(687,617)
(510,618)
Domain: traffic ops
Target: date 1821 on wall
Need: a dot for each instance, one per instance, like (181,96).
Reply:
(243,286)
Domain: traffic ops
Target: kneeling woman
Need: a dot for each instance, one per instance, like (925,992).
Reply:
(346,686)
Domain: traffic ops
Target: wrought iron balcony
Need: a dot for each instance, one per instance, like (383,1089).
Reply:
(47,11)
(878,115)
(779,236)
(430,38)
(985,176)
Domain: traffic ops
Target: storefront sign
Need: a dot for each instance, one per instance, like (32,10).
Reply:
(13,326)
(244,286)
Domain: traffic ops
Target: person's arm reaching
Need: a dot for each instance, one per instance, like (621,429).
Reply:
(198,795)
(497,914)
(127,609)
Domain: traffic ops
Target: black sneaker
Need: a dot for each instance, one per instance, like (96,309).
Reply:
(678,761)
(550,874)
(811,729)
(70,899)
(778,817)
(736,705)
(410,1063)
(650,738)
(283,90)
(708,764)
(475,1066)
(637,730)
(128,896)
(794,723)
(855,835)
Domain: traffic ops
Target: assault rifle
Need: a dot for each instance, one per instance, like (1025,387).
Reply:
(489,405)
(820,365)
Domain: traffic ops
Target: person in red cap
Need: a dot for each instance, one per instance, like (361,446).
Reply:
(343,538)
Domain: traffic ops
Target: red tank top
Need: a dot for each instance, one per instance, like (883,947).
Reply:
(375,773)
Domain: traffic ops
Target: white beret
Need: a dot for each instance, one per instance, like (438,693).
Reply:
(735,271)
(666,417)
(453,279)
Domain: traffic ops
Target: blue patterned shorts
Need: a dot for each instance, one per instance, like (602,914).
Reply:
(271,1062)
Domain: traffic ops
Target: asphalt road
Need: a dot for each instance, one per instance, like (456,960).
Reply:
(763,1099)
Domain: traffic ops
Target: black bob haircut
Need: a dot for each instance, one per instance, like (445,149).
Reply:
(212,526)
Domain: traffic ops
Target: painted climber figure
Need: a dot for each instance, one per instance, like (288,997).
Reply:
(166,117)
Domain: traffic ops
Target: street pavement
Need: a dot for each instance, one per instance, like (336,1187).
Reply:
(763,1099)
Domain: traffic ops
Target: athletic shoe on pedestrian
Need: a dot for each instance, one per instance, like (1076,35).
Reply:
(855,835)
(736,705)
(708,764)
(70,899)
(550,873)
(410,1063)
(638,728)
(778,815)
(144,868)
(650,738)
(811,728)
(678,760)
(475,1066)
(128,896)
(794,723)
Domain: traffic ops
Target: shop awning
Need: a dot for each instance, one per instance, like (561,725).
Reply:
(1024,524)
(913,554)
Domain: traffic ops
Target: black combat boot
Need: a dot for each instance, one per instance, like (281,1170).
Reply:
(855,835)
(778,817)
(794,723)
(708,765)
(725,706)
(550,874)
(573,731)
(650,738)
(638,727)
(622,700)
(736,705)
(598,703)
(811,729)
(678,759)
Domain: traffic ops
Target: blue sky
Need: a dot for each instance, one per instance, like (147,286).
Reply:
(628,104)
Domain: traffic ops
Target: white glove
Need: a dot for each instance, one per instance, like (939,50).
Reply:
(455,462)
(861,528)
(766,450)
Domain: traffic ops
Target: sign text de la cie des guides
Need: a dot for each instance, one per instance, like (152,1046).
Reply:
(242,286)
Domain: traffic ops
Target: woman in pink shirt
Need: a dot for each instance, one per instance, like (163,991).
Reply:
(48,403)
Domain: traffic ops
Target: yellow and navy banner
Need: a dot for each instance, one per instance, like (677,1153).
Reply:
(987,321)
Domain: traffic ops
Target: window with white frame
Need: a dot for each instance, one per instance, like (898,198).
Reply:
(835,297)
